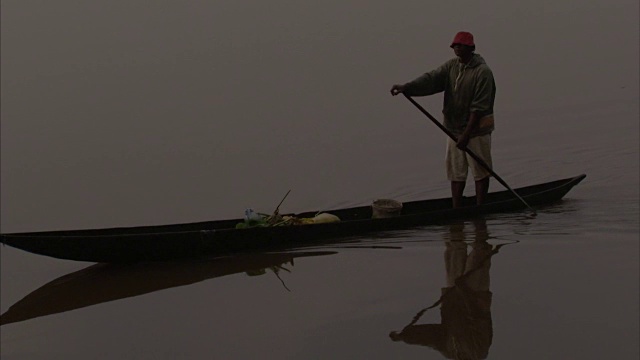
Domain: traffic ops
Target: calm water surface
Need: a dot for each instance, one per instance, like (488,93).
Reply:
(143,114)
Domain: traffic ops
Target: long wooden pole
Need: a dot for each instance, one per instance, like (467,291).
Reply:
(471,153)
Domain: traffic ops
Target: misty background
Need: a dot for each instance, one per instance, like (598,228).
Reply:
(127,113)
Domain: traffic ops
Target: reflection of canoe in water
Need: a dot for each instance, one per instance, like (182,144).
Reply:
(221,237)
(102,283)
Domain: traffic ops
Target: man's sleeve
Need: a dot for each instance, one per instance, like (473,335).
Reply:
(428,84)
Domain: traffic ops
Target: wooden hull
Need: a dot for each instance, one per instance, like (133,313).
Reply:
(221,238)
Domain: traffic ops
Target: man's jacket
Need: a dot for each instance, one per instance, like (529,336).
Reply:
(467,88)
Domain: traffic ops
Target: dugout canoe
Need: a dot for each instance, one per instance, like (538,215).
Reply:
(221,238)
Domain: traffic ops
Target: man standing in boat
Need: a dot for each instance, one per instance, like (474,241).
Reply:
(469,93)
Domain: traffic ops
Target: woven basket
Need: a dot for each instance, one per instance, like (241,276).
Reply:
(384,208)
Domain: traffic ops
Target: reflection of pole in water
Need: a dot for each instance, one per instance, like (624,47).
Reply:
(466,301)
(466,329)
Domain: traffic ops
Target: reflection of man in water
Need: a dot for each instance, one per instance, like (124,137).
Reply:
(466,330)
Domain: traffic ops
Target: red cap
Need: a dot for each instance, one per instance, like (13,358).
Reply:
(463,38)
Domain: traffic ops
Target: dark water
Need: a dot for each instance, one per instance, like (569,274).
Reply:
(138,113)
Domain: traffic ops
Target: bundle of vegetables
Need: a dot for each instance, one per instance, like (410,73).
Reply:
(276,220)
(321,218)
(254,219)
